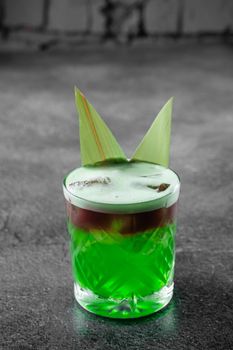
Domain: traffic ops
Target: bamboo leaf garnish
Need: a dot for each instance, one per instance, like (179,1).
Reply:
(97,142)
(155,146)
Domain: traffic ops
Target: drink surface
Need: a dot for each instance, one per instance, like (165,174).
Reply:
(125,187)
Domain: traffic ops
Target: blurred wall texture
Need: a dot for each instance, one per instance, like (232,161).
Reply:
(149,17)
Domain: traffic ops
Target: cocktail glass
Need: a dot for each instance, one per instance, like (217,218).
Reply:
(122,261)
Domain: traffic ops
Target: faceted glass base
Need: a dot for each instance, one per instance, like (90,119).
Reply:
(127,308)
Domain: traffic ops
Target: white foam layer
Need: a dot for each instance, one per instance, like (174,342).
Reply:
(121,188)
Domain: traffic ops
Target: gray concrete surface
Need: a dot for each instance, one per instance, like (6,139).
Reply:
(39,145)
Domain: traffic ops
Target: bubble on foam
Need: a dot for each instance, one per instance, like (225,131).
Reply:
(89,182)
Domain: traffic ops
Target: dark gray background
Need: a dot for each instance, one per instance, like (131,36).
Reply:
(39,145)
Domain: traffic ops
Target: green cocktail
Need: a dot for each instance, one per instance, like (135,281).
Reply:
(122,218)
(122,224)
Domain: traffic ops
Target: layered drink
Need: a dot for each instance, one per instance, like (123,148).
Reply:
(122,225)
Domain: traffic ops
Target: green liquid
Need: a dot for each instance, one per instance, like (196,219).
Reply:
(117,266)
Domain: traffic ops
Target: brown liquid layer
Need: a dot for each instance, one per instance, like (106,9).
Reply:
(122,223)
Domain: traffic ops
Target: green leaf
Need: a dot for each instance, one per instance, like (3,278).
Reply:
(155,146)
(97,142)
